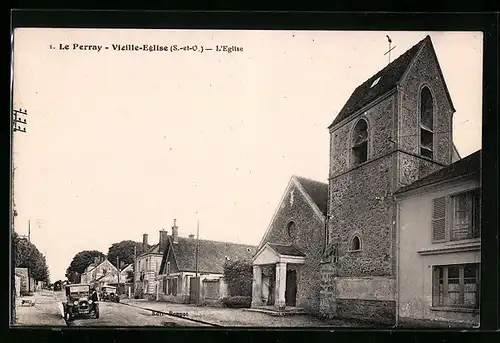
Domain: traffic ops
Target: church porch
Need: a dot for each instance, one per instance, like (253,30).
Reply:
(274,286)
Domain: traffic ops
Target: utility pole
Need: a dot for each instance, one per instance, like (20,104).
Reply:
(118,266)
(197,250)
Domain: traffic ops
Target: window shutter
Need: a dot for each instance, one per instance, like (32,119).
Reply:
(439,219)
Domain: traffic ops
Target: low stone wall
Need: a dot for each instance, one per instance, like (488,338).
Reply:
(370,310)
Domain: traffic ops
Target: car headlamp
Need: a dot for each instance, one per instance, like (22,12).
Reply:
(90,301)
(75,302)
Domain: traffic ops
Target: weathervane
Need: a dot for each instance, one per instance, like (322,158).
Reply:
(390,49)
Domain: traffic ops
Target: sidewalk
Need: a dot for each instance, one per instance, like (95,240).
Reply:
(47,310)
(237,317)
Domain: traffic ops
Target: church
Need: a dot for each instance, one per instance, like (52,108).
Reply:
(333,249)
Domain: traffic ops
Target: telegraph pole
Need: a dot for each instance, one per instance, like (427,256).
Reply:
(118,266)
(197,251)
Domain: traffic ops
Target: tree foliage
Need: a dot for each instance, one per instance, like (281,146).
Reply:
(26,255)
(238,276)
(124,250)
(80,262)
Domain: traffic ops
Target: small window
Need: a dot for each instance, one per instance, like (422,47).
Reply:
(291,229)
(168,268)
(355,244)
(360,143)
(375,82)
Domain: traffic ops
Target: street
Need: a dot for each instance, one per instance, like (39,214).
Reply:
(117,314)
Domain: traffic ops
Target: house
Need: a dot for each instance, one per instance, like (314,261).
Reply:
(102,272)
(28,284)
(147,265)
(439,242)
(177,279)
(286,267)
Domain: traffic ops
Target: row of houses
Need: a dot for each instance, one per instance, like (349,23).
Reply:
(102,272)
(168,270)
(24,283)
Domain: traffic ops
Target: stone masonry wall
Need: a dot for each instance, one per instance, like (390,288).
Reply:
(425,72)
(360,204)
(310,240)
(327,299)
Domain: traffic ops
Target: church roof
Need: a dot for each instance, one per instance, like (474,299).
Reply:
(318,191)
(389,76)
(466,166)
(289,250)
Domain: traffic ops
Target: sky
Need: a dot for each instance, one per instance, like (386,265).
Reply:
(121,143)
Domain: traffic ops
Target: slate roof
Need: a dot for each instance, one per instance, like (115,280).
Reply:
(389,78)
(289,250)
(318,191)
(466,166)
(211,254)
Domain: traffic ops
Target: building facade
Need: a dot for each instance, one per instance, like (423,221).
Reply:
(287,264)
(147,265)
(439,242)
(187,257)
(395,129)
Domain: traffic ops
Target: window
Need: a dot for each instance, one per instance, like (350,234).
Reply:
(360,143)
(426,123)
(147,265)
(456,286)
(375,82)
(104,271)
(355,244)
(464,220)
(171,286)
(291,229)
(168,268)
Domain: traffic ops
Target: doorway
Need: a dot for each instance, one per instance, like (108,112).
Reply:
(291,288)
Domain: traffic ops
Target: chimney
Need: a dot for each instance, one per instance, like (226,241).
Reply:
(144,242)
(191,236)
(163,239)
(175,232)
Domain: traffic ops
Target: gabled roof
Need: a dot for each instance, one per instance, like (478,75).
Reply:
(318,191)
(390,76)
(211,254)
(104,261)
(315,193)
(155,249)
(466,166)
(127,267)
(288,250)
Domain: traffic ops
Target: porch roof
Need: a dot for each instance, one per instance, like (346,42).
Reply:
(272,253)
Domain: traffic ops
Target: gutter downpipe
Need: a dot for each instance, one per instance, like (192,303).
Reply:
(398,249)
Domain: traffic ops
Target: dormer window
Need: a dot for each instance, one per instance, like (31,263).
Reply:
(360,143)
(375,82)
(426,123)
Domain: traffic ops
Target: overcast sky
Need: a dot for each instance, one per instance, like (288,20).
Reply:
(120,143)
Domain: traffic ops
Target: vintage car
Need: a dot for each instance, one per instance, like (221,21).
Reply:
(79,302)
(108,293)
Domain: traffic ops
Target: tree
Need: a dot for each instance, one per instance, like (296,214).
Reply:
(80,262)
(124,250)
(26,255)
(238,276)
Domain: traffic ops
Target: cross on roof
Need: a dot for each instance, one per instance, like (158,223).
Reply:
(390,49)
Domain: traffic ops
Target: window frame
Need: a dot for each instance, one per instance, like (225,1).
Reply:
(422,127)
(351,243)
(436,296)
(475,221)
(354,146)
